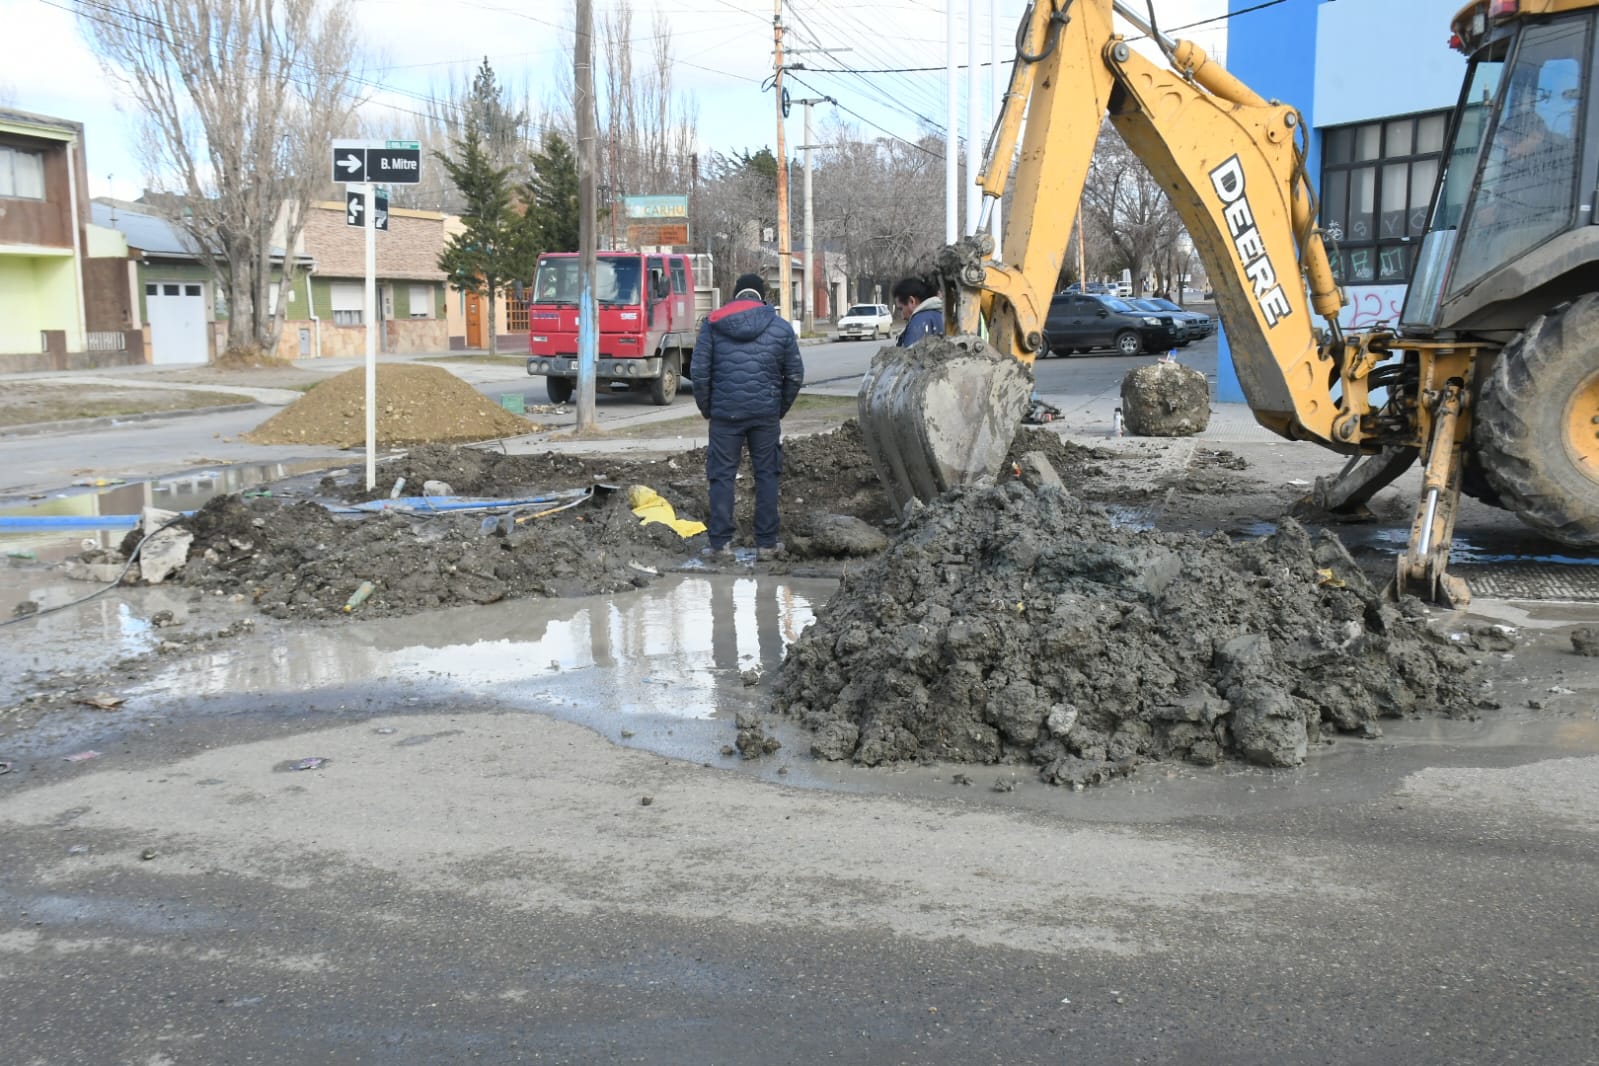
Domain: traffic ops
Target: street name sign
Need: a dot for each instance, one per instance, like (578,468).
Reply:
(392,163)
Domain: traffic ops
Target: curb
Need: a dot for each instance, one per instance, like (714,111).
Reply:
(42,429)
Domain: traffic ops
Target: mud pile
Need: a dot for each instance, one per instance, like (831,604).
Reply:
(415,404)
(302,561)
(1014,625)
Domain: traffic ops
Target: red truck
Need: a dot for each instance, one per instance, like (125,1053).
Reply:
(647,322)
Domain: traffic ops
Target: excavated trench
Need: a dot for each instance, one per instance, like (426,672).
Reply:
(1005,625)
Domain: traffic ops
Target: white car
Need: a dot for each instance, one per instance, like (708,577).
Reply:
(866,320)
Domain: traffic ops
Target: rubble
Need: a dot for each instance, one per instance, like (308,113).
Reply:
(1012,624)
(1165,399)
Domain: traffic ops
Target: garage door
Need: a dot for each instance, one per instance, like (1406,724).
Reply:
(176,311)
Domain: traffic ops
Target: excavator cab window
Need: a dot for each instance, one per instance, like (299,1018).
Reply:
(1510,175)
(1527,176)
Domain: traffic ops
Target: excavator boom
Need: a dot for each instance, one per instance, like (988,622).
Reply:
(1233,166)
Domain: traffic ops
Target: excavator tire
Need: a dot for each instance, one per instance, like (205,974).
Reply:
(1536,430)
(939,414)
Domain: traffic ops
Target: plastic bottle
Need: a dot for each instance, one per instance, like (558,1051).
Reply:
(358,597)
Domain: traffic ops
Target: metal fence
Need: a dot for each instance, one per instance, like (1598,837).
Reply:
(108,341)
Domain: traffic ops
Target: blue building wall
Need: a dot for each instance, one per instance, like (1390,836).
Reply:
(1273,51)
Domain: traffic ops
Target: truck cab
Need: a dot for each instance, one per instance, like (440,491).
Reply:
(645,315)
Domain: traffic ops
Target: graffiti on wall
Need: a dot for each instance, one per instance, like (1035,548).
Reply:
(1371,305)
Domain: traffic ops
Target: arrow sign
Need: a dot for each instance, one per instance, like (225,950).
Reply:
(354,208)
(380,210)
(349,164)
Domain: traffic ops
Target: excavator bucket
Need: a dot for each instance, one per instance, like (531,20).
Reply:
(941,413)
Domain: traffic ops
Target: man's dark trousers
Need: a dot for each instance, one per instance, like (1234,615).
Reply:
(725,448)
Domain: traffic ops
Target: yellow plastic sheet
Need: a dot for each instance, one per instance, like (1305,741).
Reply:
(648,505)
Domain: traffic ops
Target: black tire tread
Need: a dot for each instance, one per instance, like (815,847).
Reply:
(1517,429)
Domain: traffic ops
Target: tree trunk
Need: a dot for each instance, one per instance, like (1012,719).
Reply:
(493,344)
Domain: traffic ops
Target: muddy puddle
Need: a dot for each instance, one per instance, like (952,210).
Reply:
(667,669)
(176,492)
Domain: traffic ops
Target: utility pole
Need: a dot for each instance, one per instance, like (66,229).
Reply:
(785,303)
(587,331)
(974,140)
(1082,253)
(952,227)
(808,289)
(996,104)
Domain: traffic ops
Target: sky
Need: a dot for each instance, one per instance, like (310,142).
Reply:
(722,51)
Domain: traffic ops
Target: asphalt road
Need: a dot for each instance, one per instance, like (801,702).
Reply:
(474,877)
(487,885)
(154,447)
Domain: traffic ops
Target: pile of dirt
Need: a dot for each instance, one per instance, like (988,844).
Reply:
(1014,625)
(302,561)
(415,405)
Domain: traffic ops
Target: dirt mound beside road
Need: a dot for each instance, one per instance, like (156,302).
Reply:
(1013,625)
(415,405)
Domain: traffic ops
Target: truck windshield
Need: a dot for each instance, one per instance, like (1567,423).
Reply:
(616,281)
(1527,170)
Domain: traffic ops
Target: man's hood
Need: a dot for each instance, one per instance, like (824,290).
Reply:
(742,320)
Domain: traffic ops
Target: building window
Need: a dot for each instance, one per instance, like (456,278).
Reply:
(349,301)
(421,301)
(1376,183)
(21,174)
(515,313)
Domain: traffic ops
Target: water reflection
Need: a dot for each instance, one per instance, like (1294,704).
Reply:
(676,649)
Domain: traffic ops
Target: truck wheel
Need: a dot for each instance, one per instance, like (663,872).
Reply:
(664,388)
(559,389)
(1537,425)
(1129,343)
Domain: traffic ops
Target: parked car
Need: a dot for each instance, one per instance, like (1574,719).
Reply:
(1201,325)
(1192,325)
(1080,322)
(865,320)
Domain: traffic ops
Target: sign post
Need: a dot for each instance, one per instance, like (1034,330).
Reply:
(360,165)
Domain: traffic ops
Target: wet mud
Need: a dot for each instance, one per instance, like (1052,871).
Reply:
(1021,625)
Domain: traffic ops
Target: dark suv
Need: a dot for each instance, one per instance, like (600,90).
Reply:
(1078,322)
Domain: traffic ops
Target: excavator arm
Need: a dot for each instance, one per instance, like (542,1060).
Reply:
(1230,163)
(1233,166)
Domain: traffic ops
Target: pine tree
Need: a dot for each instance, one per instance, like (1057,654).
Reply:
(551,197)
(490,251)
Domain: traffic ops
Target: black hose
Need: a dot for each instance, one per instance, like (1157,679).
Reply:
(132,558)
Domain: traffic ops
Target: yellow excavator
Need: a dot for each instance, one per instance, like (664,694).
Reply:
(1491,376)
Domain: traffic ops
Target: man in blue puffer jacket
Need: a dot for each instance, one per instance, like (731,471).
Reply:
(747,373)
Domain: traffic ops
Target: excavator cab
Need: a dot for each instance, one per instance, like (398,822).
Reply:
(1510,262)
(1512,229)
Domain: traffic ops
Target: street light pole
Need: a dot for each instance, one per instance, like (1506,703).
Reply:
(808,288)
(785,303)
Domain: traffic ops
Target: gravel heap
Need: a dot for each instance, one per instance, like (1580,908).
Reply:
(1019,625)
(415,404)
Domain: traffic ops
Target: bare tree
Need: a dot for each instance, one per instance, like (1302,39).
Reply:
(239,101)
(1125,211)
(507,131)
(882,202)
